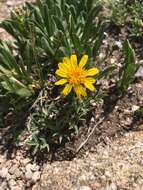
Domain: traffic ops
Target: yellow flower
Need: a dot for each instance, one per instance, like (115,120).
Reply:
(75,76)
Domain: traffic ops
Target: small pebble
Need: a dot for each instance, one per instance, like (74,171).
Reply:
(85,188)
(36,176)
(3,172)
(135,108)
(28,174)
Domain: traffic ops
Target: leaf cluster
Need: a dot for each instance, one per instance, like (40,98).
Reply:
(42,34)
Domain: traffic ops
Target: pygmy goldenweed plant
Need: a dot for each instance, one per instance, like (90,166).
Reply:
(43,35)
(59,117)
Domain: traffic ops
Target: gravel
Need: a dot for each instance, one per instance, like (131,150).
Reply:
(118,165)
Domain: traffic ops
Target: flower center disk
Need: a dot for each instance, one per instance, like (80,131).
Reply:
(76,76)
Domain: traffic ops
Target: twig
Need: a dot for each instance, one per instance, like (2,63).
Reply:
(89,135)
(36,101)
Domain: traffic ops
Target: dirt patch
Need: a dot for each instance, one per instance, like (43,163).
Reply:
(118,165)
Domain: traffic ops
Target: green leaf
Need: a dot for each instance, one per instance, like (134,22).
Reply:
(48,20)
(89,4)
(73,12)
(59,23)
(77,44)
(89,21)
(38,17)
(24,92)
(41,7)
(46,46)
(129,69)
(9,60)
(98,38)
(7,25)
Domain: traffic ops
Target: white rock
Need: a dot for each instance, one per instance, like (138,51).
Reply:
(85,188)
(16,188)
(25,161)
(112,61)
(3,185)
(35,167)
(101,55)
(13,169)
(92,120)
(119,44)
(12,183)
(36,176)
(135,108)
(110,187)
(139,73)
(9,3)
(28,167)
(28,174)
(3,172)
(18,173)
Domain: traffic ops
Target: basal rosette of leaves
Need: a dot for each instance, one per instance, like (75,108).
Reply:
(43,35)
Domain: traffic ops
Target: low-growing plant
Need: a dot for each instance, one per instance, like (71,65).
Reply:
(127,13)
(129,68)
(49,39)
(14,75)
(55,29)
(53,121)
(139,112)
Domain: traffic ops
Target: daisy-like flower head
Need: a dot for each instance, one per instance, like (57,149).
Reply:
(75,76)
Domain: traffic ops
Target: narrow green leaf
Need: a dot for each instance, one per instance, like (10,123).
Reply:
(59,23)
(129,69)
(46,46)
(77,44)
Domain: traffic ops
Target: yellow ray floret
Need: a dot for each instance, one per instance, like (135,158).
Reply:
(75,76)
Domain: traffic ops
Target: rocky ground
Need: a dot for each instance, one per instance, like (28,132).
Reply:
(112,159)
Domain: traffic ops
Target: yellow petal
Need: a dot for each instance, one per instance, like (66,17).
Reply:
(92,72)
(80,91)
(89,85)
(89,79)
(64,66)
(61,82)
(83,61)
(73,60)
(61,73)
(66,60)
(67,89)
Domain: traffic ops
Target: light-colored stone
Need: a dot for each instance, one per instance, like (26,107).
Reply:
(85,188)
(28,167)
(18,173)
(13,169)
(112,186)
(35,167)
(135,108)
(28,174)
(119,44)
(25,161)
(3,172)
(36,176)
(139,73)
(12,183)
(3,185)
